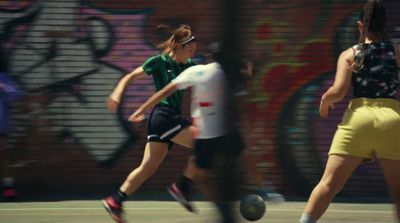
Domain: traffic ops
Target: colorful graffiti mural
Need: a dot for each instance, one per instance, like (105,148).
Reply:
(297,61)
(68,55)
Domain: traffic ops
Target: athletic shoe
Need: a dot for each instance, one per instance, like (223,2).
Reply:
(114,209)
(10,193)
(270,195)
(9,190)
(181,197)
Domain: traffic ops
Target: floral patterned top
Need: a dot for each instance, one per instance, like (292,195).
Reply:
(377,74)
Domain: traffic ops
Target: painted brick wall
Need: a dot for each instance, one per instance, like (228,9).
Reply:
(68,55)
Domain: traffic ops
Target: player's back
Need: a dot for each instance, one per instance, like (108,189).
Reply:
(208,101)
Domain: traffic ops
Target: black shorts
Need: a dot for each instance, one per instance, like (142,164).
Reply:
(164,123)
(227,146)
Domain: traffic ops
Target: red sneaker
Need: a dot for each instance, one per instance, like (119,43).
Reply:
(179,196)
(10,193)
(114,209)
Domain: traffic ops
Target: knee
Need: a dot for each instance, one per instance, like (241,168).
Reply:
(331,187)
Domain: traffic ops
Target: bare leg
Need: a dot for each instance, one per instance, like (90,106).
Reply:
(251,169)
(190,170)
(211,191)
(185,138)
(338,169)
(154,154)
(202,181)
(392,175)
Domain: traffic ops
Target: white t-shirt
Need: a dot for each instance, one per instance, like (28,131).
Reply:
(208,98)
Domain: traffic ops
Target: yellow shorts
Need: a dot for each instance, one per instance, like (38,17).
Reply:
(369,128)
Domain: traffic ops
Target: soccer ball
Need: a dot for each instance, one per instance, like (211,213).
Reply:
(252,207)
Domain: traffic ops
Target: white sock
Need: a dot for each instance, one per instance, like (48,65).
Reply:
(307,218)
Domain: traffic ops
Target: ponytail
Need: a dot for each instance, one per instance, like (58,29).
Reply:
(373,18)
(181,35)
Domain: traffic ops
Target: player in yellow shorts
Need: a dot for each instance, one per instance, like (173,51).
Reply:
(370,127)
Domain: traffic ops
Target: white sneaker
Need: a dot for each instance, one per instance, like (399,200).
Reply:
(270,195)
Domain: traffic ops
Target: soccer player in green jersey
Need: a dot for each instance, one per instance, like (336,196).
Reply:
(165,123)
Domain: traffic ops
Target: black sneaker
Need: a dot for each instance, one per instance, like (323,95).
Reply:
(179,196)
(114,209)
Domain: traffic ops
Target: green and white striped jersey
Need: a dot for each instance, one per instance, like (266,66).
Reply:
(163,70)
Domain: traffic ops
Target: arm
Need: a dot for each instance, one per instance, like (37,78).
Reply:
(184,80)
(247,70)
(115,97)
(341,86)
(153,100)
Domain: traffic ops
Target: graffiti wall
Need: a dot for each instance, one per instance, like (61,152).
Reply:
(296,60)
(68,55)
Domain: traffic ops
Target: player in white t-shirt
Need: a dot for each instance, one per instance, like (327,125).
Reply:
(207,106)
(215,137)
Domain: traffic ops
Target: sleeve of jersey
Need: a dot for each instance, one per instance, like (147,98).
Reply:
(152,64)
(187,78)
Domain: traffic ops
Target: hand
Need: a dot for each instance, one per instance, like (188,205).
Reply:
(112,104)
(324,108)
(138,116)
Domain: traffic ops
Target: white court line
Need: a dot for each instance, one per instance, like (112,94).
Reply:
(180,209)
(341,211)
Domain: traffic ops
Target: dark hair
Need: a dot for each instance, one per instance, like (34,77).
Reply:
(373,18)
(183,34)
(215,49)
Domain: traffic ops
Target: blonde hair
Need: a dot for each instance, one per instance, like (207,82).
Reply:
(180,35)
